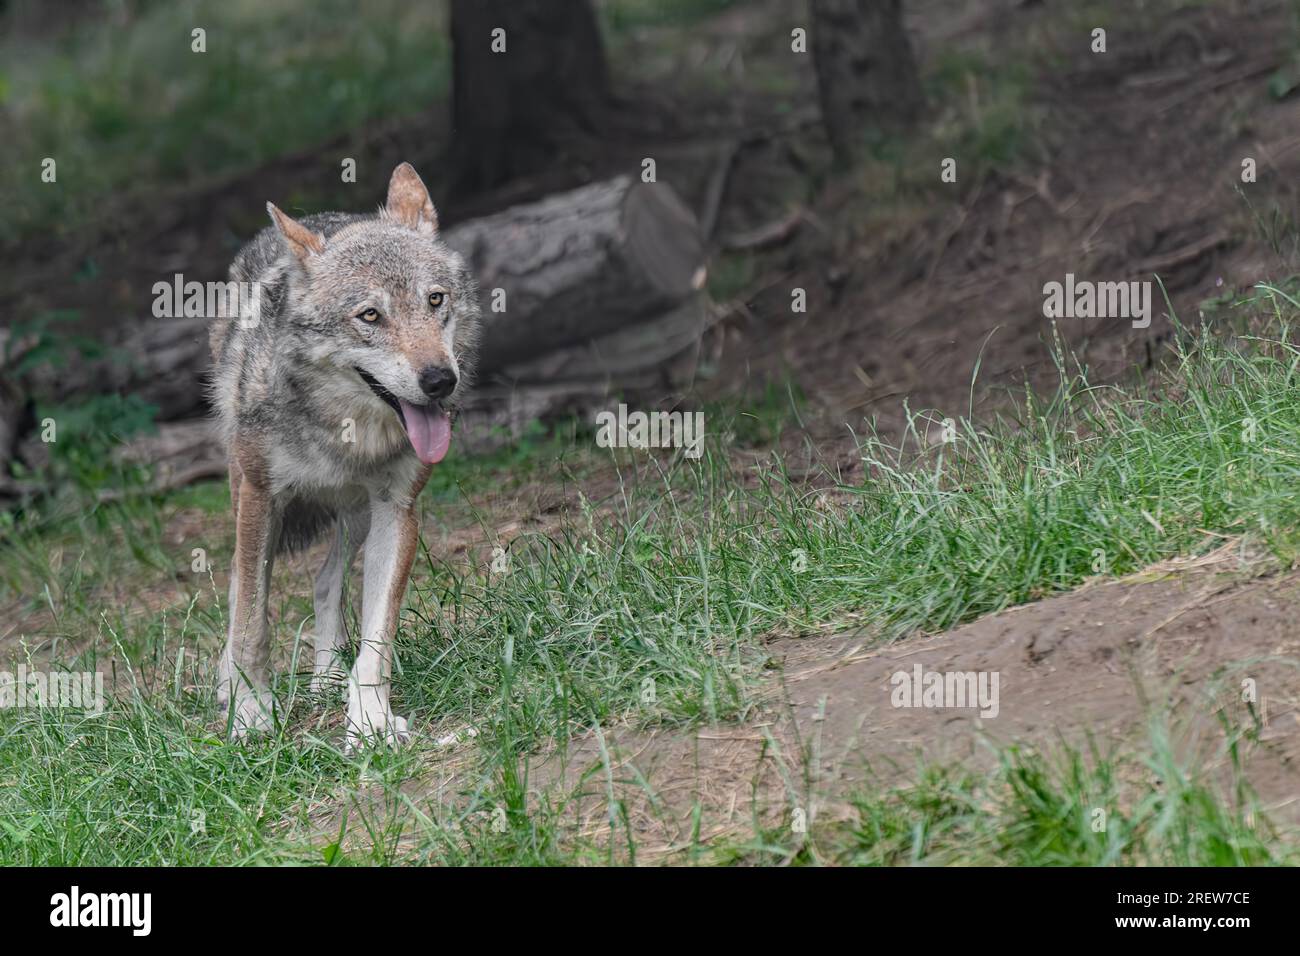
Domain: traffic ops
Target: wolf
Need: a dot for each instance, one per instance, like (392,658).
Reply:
(334,393)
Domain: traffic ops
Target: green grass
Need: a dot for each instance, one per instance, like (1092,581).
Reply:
(624,15)
(122,110)
(644,609)
(988,117)
(1062,807)
(983,114)
(125,106)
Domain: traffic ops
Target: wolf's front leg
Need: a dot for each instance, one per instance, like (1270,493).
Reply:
(245,674)
(390,549)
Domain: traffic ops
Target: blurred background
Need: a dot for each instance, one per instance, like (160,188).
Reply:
(821,208)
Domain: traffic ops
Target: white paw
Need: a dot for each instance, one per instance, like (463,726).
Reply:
(223,681)
(252,713)
(456,737)
(375,726)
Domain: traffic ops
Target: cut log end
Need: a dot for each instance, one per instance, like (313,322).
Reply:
(663,239)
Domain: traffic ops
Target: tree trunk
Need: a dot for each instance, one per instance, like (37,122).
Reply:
(866,75)
(512,109)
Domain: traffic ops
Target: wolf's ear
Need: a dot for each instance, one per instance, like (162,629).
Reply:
(303,243)
(409,202)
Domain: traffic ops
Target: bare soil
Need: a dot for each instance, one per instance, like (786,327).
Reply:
(1135,173)
(1090,667)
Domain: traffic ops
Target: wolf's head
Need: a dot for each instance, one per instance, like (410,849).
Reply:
(389,307)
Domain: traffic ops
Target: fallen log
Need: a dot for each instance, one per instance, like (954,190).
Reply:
(162,361)
(579,265)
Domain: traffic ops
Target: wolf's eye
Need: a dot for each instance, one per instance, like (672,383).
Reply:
(369,315)
(436,299)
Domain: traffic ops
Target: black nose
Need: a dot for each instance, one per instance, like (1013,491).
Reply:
(436,381)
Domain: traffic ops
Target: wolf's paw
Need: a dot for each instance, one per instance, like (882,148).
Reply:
(252,713)
(376,727)
(224,683)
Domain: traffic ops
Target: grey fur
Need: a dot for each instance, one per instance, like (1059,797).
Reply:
(313,444)
(266,379)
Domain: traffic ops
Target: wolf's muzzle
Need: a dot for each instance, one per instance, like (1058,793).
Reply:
(385,396)
(437,382)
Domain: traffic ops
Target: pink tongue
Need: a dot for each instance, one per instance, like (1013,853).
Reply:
(429,429)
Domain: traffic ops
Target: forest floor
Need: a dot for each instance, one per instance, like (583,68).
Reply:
(615,656)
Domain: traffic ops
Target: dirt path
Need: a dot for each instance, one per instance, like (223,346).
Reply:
(1180,639)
